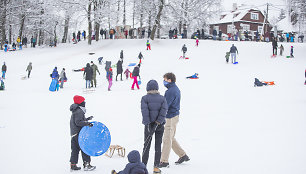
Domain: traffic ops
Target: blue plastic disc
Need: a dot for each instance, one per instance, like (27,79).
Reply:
(95,140)
(139,82)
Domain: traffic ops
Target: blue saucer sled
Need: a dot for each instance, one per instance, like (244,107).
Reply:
(95,140)
(236,63)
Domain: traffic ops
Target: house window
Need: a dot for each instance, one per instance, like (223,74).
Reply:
(254,16)
(216,28)
(229,28)
(245,27)
(259,29)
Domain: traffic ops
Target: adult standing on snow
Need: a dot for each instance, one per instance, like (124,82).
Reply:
(184,49)
(173,97)
(135,73)
(119,69)
(95,70)
(233,52)
(77,122)
(274,46)
(54,74)
(29,69)
(63,78)
(154,109)
(88,73)
(4,68)
(121,55)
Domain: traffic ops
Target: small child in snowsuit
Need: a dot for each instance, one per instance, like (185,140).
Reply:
(127,73)
(259,83)
(140,56)
(291,52)
(134,165)
(197,42)
(148,45)
(110,78)
(281,50)
(227,56)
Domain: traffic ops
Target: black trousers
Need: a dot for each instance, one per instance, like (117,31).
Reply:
(75,149)
(274,50)
(147,144)
(117,76)
(29,72)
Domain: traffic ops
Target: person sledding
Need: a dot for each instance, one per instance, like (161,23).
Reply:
(134,166)
(55,76)
(195,76)
(262,83)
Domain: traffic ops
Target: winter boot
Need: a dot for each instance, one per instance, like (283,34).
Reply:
(163,164)
(114,172)
(88,167)
(74,167)
(182,159)
(156,170)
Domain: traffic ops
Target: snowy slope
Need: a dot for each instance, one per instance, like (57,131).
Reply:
(226,125)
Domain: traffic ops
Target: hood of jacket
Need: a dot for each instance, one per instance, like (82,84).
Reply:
(134,156)
(152,85)
(73,107)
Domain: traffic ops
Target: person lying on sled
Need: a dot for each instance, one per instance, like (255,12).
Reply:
(195,76)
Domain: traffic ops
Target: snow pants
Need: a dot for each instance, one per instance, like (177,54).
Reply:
(148,47)
(147,144)
(29,73)
(274,50)
(110,83)
(75,149)
(3,74)
(169,141)
(233,56)
(135,82)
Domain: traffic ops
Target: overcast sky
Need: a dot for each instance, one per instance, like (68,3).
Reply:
(227,4)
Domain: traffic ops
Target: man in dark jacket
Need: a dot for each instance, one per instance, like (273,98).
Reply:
(184,49)
(173,97)
(233,52)
(77,122)
(274,45)
(135,73)
(154,109)
(4,68)
(134,166)
(119,68)
(88,73)
(94,75)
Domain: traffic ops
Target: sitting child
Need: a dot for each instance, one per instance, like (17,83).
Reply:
(259,83)
(195,76)
(127,73)
(227,56)
(134,165)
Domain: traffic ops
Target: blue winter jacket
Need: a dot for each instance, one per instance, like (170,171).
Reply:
(173,97)
(55,74)
(233,49)
(153,105)
(135,166)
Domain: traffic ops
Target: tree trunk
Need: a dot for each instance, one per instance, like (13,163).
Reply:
(10,34)
(97,28)
(157,20)
(141,14)
(66,27)
(89,23)
(97,25)
(134,14)
(41,31)
(118,11)
(124,11)
(3,9)
(21,25)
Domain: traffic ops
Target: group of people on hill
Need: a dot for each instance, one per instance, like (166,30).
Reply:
(60,78)
(160,116)
(281,48)
(19,43)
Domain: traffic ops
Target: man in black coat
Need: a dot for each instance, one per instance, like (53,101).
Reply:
(119,69)
(121,55)
(154,109)
(274,45)
(88,74)
(77,122)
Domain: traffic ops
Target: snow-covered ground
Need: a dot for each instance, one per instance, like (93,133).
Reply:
(226,125)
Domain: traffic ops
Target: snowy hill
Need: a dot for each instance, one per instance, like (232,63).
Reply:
(226,125)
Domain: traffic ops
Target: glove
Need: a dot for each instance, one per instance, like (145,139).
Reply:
(90,124)
(158,123)
(152,128)
(89,118)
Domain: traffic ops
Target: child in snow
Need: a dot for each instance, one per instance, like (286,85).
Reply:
(305,77)
(100,59)
(29,69)
(63,78)
(195,76)
(135,74)
(4,68)
(259,83)
(127,73)
(134,165)
(140,56)
(197,42)
(110,78)
(6,46)
(184,49)
(281,50)
(291,52)
(227,55)
(148,45)
(1,84)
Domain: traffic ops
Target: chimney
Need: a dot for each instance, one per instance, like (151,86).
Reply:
(234,7)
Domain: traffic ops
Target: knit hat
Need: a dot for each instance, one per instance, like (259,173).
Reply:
(78,99)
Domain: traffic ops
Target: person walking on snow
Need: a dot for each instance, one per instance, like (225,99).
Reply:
(184,49)
(119,68)
(121,55)
(197,42)
(88,73)
(291,52)
(140,56)
(77,122)
(281,50)
(148,45)
(55,76)
(134,166)
(110,78)
(135,74)
(305,77)
(173,97)
(29,69)
(127,73)
(233,52)
(4,68)
(274,45)
(94,75)
(154,109)
(63,78)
